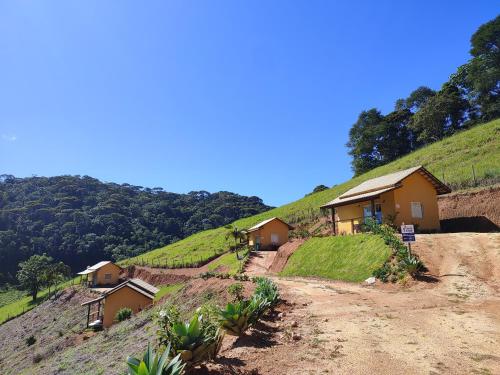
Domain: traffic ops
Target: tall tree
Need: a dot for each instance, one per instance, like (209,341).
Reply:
(32,273)
(394,138)
(479,79)
(415,100)
(440,116)
(362,143)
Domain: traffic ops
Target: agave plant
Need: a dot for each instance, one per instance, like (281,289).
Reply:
(412,265)
(234,319)
(237,317)
(258,306)
(152,364)
(195,341)
(267,289)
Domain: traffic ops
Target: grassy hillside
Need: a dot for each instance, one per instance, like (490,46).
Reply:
(350,258)
(453,156)
(23,303)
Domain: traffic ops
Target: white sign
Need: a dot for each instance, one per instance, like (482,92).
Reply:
(408,233)
(407,229)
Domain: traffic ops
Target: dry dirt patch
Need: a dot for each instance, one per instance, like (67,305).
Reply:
(451,326)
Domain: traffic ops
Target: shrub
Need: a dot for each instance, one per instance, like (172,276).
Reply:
(207,275)
(123,314)
(402,263)
(197,340)
(30,340)
(234,319)
(267,289)
(152,364)
(236,290)
(241,277)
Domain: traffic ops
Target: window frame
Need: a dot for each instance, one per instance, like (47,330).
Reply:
(421,208)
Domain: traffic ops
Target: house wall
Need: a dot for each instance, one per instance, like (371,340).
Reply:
(355,211)
(98,277)
(273,227)
(415,188)
(124,297)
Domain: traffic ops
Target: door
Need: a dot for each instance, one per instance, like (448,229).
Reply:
(257,242)
(275,239)
(367,213)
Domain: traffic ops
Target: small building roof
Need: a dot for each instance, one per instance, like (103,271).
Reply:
(376,186)
(262,223)
(138,285)
(95,267)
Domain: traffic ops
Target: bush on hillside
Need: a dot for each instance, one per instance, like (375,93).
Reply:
(30,340)
(123,314)
(402,262)
(236,290)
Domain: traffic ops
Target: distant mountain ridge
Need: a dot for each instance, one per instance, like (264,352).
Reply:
(80,220)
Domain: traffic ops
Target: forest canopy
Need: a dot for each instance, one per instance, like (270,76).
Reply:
(471,96)
(80,220)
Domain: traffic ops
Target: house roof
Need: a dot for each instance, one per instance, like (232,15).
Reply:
(376,186)
(138,285)
(262,223)
(95,267)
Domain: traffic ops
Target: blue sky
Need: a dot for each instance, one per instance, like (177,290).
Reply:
(254,97)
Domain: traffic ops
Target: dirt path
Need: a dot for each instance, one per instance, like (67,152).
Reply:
(259,262)
(449,324)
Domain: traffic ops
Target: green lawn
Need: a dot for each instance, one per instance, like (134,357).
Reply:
(454,156)
(167,289)
(349,258)
(229,260)
(25,303)
(8,296)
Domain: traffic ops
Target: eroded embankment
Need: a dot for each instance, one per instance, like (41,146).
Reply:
(470,211)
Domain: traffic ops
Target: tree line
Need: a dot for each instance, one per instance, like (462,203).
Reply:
(80,220)
(469,97)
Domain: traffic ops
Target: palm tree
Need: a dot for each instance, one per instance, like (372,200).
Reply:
(236,234)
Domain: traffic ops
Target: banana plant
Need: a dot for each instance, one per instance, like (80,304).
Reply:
(152,364)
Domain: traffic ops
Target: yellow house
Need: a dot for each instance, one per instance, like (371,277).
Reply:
(268,234)
(104,273)
(134,294)
(408,196)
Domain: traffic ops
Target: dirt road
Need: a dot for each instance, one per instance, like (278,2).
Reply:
(447,324)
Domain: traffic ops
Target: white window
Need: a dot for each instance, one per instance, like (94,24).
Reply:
(275,239)
(417,211)
(107,276)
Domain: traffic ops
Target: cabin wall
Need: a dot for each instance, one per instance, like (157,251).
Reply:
(355,211)
(124,297)
(275,227)
(99,276)
(415,188)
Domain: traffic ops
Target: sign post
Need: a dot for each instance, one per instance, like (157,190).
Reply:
(408,234)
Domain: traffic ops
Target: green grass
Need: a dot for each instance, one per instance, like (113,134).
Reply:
(8,296)
(167,289)
(228,260)
(454,156)
(349,258)
(24,304)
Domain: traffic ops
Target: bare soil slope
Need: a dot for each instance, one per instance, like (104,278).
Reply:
(475,209)
(448,324)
